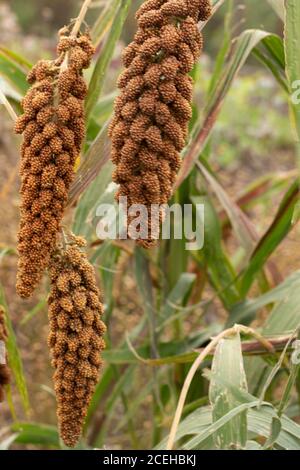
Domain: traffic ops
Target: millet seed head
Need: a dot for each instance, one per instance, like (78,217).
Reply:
(75,337)
(53,130)
(150,123)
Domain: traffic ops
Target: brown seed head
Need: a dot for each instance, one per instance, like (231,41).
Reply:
(75,337)
(53,130)
(152,111)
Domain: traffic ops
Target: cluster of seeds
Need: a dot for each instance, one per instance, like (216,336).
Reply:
(152,112)
(76,336)
(53,130)
(4,370)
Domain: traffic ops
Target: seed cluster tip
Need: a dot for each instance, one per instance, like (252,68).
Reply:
(76,336)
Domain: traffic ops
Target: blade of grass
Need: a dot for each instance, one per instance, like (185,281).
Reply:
(144,283)
(103,22)
(244,45)
(36,433)
(245,311)
(278,6)
(123,381)
(291,44)
(95,159)
(242,226)
(14,358)
(221,272)
(34,311)
(282,224)
(228,364)
(17,58)
(175,298)
(105,57)
(12,72)
(214,427)
(271,53)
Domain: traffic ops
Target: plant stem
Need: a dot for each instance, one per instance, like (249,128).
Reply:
(75,29)
(64,239)
(80,17)
(8,106)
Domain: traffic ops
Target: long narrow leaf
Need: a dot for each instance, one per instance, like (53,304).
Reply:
(291,43)
(280,227)
(245,44)
(98,76)
(228,364)
(14,358)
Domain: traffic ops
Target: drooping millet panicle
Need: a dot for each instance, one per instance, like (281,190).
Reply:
(76,336)
(152,112)
(53,130)
(4,370)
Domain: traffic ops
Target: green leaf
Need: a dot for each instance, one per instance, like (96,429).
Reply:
(253,445)
(284,402)
(102,386)
(17,58)
(281,435)
(175,298)
(107,267)
(291,44)
(271,53)
(175,352)
(221,57)
(245,312)
(274,434)
(13,96)
(104,108)
(34,311)
(285,316)
(134,405)
(259,424)
(278,6)
(244,45)
(92,178)
(242,226)
(105,57)
(218,425)
(109,373)
(280,227)
(100,191)
(222,275)
(35,433)
(125,379)
(104,21)
(191,425)
(14,358)
(12,72)
(228,365)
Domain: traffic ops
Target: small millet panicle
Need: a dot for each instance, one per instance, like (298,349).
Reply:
(152,111)
(75,338)
(4,370)
(53,130)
